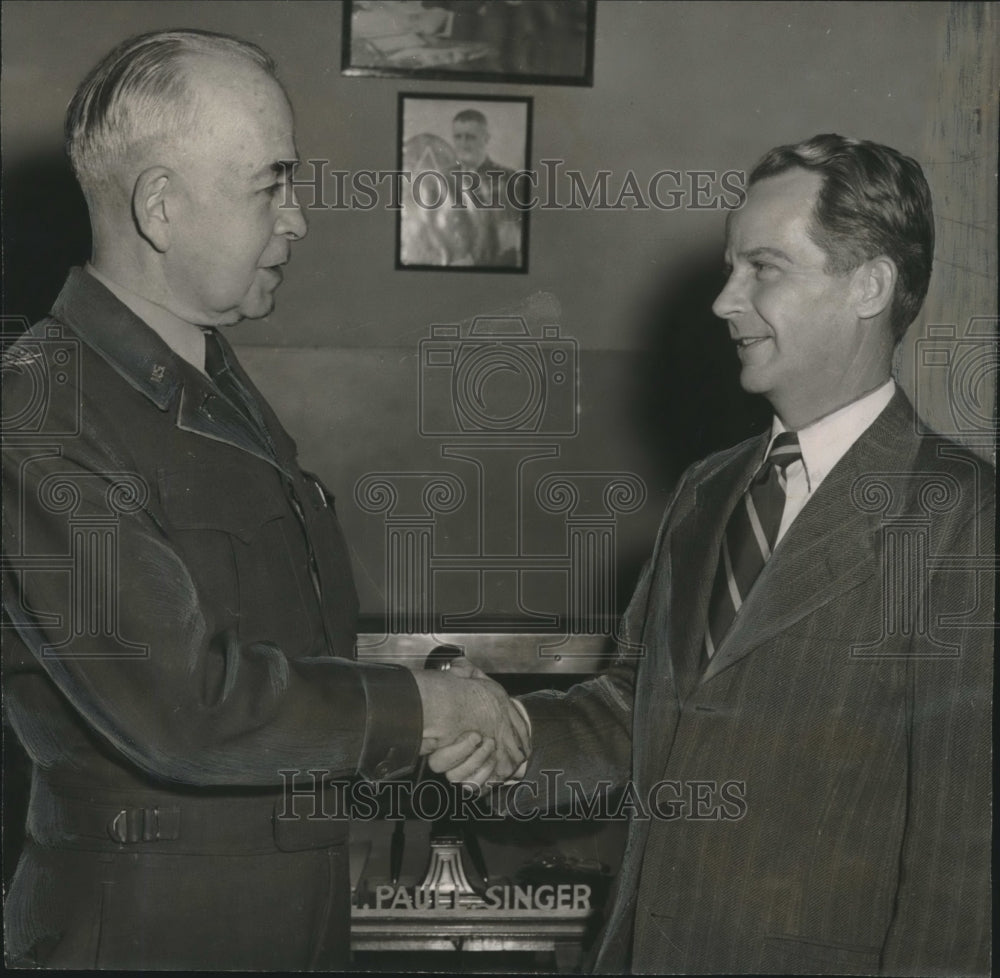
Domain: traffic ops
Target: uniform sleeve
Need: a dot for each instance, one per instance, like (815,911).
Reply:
(144,664)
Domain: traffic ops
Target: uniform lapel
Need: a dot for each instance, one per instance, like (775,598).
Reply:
(138,354)
(284,444)
(202,411)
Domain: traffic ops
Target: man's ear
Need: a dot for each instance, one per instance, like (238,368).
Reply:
(877,282)
(149,206)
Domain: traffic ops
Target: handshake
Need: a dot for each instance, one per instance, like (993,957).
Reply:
(474,733)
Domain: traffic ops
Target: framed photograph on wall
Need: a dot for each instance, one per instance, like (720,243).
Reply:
(542,42)
(464,192)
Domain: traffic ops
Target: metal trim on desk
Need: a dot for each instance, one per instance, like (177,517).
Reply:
(473,930)
(523,653)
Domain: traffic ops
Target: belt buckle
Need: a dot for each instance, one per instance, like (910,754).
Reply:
(132,825)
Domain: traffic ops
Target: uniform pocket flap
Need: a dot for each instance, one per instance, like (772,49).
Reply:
(235,501)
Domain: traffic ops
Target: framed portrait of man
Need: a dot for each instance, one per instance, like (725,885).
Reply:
(465,194)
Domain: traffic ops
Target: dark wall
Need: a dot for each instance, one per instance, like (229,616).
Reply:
(677,86)
(681,86)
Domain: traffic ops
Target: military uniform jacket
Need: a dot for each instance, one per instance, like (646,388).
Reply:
(183,625)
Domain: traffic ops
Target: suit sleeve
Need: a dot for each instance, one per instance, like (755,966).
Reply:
(585,734)
(181,699)
(941,919)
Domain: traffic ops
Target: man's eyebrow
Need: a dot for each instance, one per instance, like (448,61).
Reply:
(279,168)
(765,252)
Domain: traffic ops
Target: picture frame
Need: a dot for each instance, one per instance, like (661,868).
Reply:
(465,190)
(544,42)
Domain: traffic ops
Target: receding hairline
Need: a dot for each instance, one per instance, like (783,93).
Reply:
(196,66)
(792,172)
(209,86)
(214,95)
(114,114)
(223,110)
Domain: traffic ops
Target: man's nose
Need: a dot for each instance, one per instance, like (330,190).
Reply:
(291,220)
(731,299)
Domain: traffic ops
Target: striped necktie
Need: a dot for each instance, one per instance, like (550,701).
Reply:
(749,538)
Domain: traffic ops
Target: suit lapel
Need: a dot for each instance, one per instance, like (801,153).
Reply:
(829,549)
(694,554)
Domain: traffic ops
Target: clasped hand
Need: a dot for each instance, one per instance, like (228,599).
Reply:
(473,732)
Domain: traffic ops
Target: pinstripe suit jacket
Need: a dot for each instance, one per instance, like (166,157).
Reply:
(842,727)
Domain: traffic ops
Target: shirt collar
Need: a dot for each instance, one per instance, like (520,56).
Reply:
(825,442)
(185,339)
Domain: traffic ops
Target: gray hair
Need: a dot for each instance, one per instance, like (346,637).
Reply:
(138,94)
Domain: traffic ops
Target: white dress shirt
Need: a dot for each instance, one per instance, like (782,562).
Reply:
(823,444)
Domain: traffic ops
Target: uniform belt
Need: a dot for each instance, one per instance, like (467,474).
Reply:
(114,819)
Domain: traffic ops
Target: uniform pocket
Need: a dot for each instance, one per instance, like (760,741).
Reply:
(246,551)
(237,501)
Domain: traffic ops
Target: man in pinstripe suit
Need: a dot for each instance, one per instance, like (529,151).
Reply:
(812,632)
